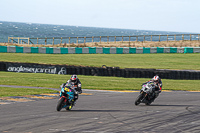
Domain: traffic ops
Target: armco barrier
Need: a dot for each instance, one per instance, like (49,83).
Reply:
(99,71)
(98,50)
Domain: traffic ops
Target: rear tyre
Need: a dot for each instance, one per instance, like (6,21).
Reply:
(138,99)
(60,103)
(70,107)
(148,103)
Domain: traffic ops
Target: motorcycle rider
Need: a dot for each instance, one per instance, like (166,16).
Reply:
(158,85)
(77,83)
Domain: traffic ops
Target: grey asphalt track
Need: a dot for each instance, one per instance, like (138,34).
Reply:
(105,112)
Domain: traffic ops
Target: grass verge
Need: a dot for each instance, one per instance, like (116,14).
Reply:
(155,61)
(8,91)
(91,82)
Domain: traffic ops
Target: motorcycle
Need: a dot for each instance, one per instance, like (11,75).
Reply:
(66,97)
(147,94)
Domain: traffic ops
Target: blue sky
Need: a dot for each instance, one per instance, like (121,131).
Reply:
(157,15)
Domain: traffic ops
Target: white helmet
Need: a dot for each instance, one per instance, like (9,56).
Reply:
(155,78)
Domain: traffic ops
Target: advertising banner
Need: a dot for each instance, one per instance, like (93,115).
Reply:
(35,68)
(99,71)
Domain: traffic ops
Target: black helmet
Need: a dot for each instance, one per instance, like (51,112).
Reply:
(74,78)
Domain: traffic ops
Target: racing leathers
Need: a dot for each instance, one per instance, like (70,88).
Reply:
(158,85)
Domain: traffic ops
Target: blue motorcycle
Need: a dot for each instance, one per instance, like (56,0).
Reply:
(66,97)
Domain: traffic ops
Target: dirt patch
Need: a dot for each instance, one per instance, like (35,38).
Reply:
(115,44)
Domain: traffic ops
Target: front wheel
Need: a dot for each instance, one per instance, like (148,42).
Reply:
(138,99)
(60,103)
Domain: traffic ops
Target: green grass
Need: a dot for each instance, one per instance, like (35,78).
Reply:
(91,82)
(157,61)
(8,91)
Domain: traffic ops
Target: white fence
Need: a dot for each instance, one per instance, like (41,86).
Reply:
(105,39)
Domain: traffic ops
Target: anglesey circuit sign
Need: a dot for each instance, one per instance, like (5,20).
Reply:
(36,69)
(32,70)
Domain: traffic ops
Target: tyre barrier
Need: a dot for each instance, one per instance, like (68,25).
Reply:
(99,71)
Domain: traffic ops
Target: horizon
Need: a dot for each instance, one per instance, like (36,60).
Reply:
(97,27)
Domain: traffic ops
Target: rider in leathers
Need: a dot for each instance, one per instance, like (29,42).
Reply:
(158,85)
(77,83)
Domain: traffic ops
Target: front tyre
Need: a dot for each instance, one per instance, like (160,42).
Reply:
(60,103)
(138,99)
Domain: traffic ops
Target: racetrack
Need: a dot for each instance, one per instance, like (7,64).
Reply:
(105,112)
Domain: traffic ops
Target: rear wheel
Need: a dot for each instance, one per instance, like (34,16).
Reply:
(60,103)
(71,105)
(69,108)
(148,103)
(138,99)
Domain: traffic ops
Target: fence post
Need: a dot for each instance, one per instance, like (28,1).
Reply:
(190,37)
(92,39)
(100,39)
(53,41)
(8,39)
(69,40)
(159,38)
(151,38)
(174,37)
(167,38)
(136,38)
(108,39)
(18,40)
(28,41)
(12,40)
(77,40)
(45,41)
(115,39)
(182,37)
(37,40)
(84,40)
